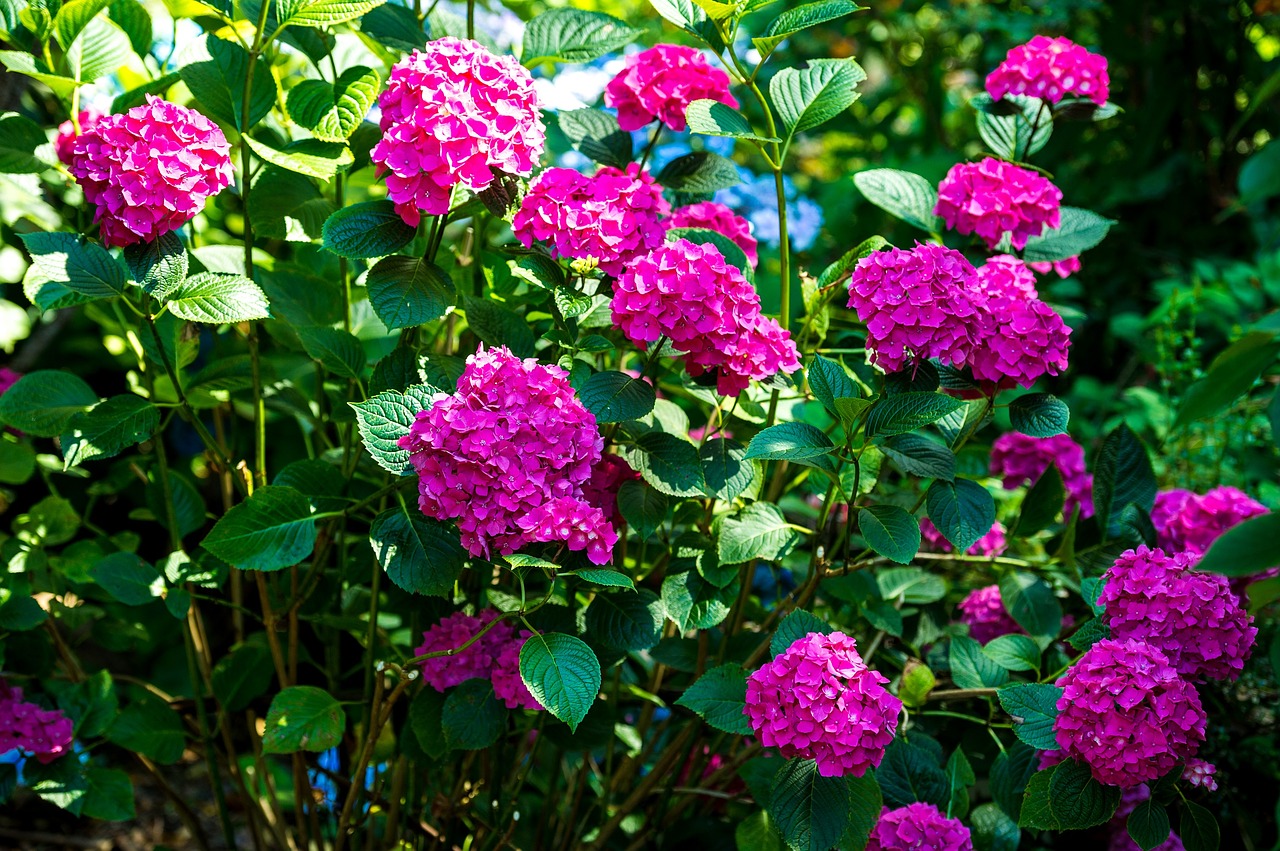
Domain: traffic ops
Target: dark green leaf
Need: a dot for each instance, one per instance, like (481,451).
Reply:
(906,412)
(110,795)
(498,326)
(992,830)
(811,811)
(828,379)
(1197,828)
(1229,377)
(890,531)
(795,626)
(562,673)
(669,463)
(616,397)
(1148,824)
(719,697)
(1043,503)
(159,266)
(128,578)
(41,403)
(271,530)
(1122,477)
(1010,774)
(1242,550)
(242,675)
(1039,415)
(909,773)
(61,783)
(338,351)
(151,728)
(19,140)
(1032,604)
(962,510)
(108,428)
(759,531)
(419,554)
(1079,231)
(694,603)
(971,668)
(789,442)
(644,508)
(1066,797)
(473,718)
(920,456)
(408,291)
(724,467)
(1034,709)
(217,79)
(699,172)
(303,718)
(624,621)
(365,230)
(595,134)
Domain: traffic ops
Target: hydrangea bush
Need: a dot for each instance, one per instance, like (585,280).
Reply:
(466,468)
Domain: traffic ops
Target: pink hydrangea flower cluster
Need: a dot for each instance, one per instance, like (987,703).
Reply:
(661,82)
(601,490)
(1199,772)
(613,216)
(1127,714)
(508,443)
(495,656)
(993,198)
(917,304)
(454,113)
(150,170)
(1050,69)
(1020,459)
(66,138)
(991,544)
(1189,522)
(717,217)
(1193,618)
(918,827)
(580,525)
(983,610)
(1062,268)
(818,700)
(690,295)
(1024,338)
(45,734)
(508,685)
(1119,824)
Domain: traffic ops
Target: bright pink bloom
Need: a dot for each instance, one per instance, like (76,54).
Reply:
(150,170)
(1188,522)
(45,734)
(601,490)
(993,543)
(707,309)
(1200,773)
(1193,618)
(1050,69)
(512,438)
(1024,338)
(1127,714)
(475,662)
(709,215)
(993,198)
(1020,460)
(983,610)
(661,82)
(918,827)
(579,525)
(508,685)
(1063,268)
(67,135)
(614,216)
(818,700)
(454,113)
(918,304)
(1119,824)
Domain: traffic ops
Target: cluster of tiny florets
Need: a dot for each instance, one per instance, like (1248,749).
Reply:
(494,656)
(454,113)
(149,170)
(1199,772)
(661,82)
(1190,522)
(65,141)
(818,700)
(994,198)
(1024,338)
(993,543)
(918,827)
(1051,69)
(706,308)
(613,216)
(983,610)
(576,523)
(45,734)
(712,216)
(1020,459)
(508,685)
(1061,268)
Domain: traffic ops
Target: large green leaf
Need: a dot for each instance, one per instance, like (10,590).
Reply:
(719,697)
(724,467)
(616,397)
(1123,476)
(365,230)
(625,621)
(901,194)
(216,78)
(562,673)
(669,463)
(1242,550)
(1039,415)
(1034,709)
(904,412)
(43,402)
(1031,602)
(795,626)
(811,811)
(310,157)
(303,718)
(699,172)
(692,602)
(1078,231)
(759,531)
(287,205)
(408,291)
(1197,828)
(338,351)
(65,271)
(385,418)
(322,13)
(1066,797)
(420,555)
(713,118)
(242,675)
(1020,128)
(472,718)
(99,50)
(332,112)
(110,795)
(22,145)
(790,442)
(218,298)
(971,668)
(813,95)
(158,266)
(643,507)
(1229,377)
(73,17)
(891,531)
(1148,824)
(962,510)
(595,134)
(800,18)
(273,529)
(128,578)
(573,35)
(149,727)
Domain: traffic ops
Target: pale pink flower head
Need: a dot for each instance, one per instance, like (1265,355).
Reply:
(1126,713)
(1119,824)
(1020,459)
(66,139)
(45,734)
(1189,522)
(706,308)
(601,490)
(475,662)
(993,543)
(983,610)
(712,216)
(1193,618)
(150,170)
(508,685)
(1062,268)
(508,442)
(1051,69)
(918,304)
(613,216)
(1200,773)
(454,113)
(818,700)
(918,827)
(993,198)
(661,82)
(574,522)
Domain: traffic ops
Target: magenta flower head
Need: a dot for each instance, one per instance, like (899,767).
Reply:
(983,610)
(1199,772)
(1020,459)
(454,113)
(1193,618)
(1126,713)
(475,662)
(1051,69)
(917,304)
(1062,268)
(717,217)
(508,685)
(66,138)
(1025,338)
(614,216)
(1119,824)
(149,170)
(993,198)
(1191,522)
(918,827)
(45,734)
(706,308)
(818,700)
(495,454)
(993,543)
(661,82)
(572,520)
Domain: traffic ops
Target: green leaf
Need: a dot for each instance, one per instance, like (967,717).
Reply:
(151,728)
(287,205)
(1018,130)
(65,272)
(811,810)
(757,832)
(685,14)
(960,777)
(728,249)
(901,194)
(1014,652)
(1010,774)
(1148,824)
(20,138)
(844,266)
(303,718)
(920,456)
(971,668)
(217,299)
(790,442)
(962,510)
(242,675)
(890,531)
(110,795)
(829,381)
(909,773)
(1089,634)
(1034,709)
(795,626)
(499,326)
(420,555)
(807,97)
(1031,602)
(365,230)
(643,507)
(108,428)
(595,133)
(1043,503)
(625,622)
(22,62)
(1039,415)
(1197,828)
(322,13)
(17,462)
(562,673)
(1243,550)
(394,26)
(1067,798)
(217,79)
(338,351)
(98,51)
(759,531)
(607,578)
(800,18)
(724,467)
(61,783)
(1079,231)
(137,96)
(408,291)
(426,718)
(310,157)
(918,680)
(992,830)
(713,118)
(333,112)
(904,412)
(128,578)
(694,603)
(159,266)
(699,172)
(131,17)
(385,418)
(719,697)
(573,35)
(73,17)
(273,529)
(616,397)
(1122,477)
(42,403)
(472,718)
(669,463)
(1230,376)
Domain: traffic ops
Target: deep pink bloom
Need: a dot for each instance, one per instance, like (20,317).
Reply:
(1199,772)
(45,734)
(601,490)
(993,198)
(1193,618)
(512,438)
(67,135)
(661,82)
(918,304)
(150,170)
(475,662)
(1050,69)
(717,217)
(918,827)
(1024,338)
(8,378)
(1189,522)
(1020,459)
(454,113)
(1127,714)
(818,700)
(579,525)
(613,216)
(983,610)
(993,543)
(690,295)
(1063,268)
(508,685)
